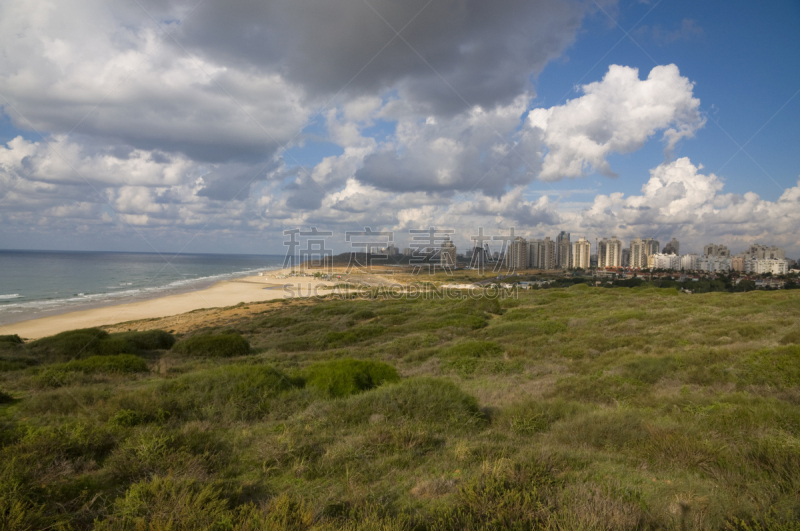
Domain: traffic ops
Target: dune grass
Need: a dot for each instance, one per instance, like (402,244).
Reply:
(578,408)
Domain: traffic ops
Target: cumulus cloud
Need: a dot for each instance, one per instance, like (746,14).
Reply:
(615,115)
(485,51)
(434,127)
(679,200)
(100,69)
(475,150)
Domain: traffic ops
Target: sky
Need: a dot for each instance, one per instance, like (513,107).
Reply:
(202,126)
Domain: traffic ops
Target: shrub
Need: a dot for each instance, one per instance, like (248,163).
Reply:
(791,337)
(779,367)
(57,375)
(223,345)
(5,398)
(72,344)
(467,356)
(164,502)
(532,416)
(228,391)
(650,370)
(348,376)
(148,340)
(422,399)
(355,335)
(599,388)
(88,342)
(10,340)
(509,497)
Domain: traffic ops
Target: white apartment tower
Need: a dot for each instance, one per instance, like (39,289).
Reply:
(563,250)
(581,253)
(609,253)
(518,254)
(641,250)
(542,254)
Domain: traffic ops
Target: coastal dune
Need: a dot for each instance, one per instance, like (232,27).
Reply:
(225,293)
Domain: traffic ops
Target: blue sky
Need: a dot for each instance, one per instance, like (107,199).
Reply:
(208,138)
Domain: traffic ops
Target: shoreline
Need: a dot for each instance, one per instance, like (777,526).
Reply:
(270,285)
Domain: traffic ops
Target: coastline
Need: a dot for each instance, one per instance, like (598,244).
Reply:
(269,286)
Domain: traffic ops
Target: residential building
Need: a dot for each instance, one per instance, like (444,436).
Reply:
(626,257)
(518,254)
(581,253)
(664,261)
(762,252)
(689,262)
(447,255)
(542,254)
(609,253)
(563,250)
(673,247)
(774,266)
(641,249)
(714,264)
(712,249)
(737,262)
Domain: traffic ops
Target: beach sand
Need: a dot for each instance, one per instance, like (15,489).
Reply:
(273,285)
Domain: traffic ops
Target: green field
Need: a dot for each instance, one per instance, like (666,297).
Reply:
(578,408)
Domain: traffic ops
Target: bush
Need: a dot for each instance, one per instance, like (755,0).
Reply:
(5,398)
(57,375)
(225,345)
(72,344)
(509,497)
(148,340)
(88,342)
(348,376)
(531,416)
(169,503)
(473,349)
(229,391)
(10,340)
(429,400)
(466,357)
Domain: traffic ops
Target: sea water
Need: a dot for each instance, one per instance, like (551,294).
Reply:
(40,283)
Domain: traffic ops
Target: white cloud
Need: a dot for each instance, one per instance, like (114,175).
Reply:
(615,115)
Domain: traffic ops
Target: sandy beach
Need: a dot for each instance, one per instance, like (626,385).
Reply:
(270,286)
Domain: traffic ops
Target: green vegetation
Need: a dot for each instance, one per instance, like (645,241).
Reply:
(223,345)
(87,342)
(348,376)
(577,408)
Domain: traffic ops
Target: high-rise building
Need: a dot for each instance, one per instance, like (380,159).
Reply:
(673,247)
(664,261)
(447,255)
(518,255)
(762,252)
(712,249)
(626,257)
(689,262)
(581,253)
(641,250)
(609,253)
(542,254)
(563,250)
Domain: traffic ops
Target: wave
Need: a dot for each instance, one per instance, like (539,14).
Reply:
(10,296)
(141,293)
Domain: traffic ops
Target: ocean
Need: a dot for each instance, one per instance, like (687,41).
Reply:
(36,284)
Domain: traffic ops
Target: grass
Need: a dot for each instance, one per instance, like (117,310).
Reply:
(223,345)
(578,408)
